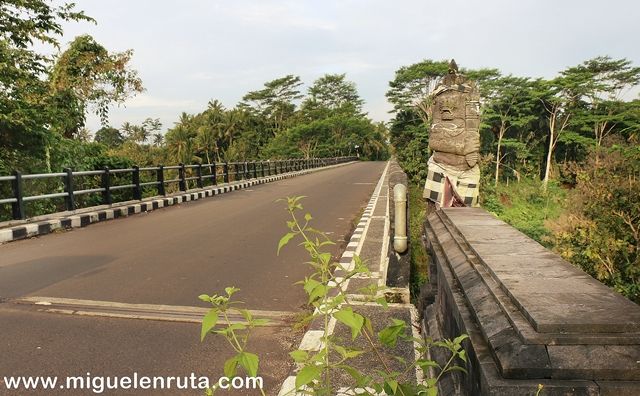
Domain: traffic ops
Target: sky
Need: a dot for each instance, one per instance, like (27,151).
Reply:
(188,52)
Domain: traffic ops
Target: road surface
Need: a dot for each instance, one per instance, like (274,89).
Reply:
(108,285)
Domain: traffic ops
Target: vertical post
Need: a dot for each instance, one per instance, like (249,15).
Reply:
(183,178)
(18,206)
(69,201)
(106,185)
(214,174)
(160,178)
(226,172)
(255,170)
(245,170)
(262,168)
(236,166)
(199,174)
(135,178)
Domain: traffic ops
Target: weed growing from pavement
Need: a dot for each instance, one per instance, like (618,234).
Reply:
(325,291)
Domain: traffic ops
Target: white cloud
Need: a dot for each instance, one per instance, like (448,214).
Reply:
(144,101)
(278,14)
(190,52)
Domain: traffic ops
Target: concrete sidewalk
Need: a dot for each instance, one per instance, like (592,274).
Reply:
(370,241)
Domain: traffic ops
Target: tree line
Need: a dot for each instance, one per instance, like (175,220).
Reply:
(575,137)
(45,100)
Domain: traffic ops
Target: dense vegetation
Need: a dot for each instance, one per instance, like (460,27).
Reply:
(44,101)
(560,157)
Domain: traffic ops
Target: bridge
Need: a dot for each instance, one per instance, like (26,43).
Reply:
(120,296)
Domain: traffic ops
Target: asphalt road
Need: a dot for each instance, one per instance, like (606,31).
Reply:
(169,257)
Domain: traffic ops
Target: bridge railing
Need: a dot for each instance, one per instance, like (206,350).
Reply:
(76,189)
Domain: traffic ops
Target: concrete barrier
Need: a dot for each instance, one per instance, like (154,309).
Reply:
(532,318)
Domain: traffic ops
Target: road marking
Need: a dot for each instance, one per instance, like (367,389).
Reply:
(365,184)
(169,313)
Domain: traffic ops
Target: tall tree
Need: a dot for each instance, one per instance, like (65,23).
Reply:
(558,99)
(331,94)
(276,101)
(600,84)
(25,102)
(95,77)
(412,85)
(508,103)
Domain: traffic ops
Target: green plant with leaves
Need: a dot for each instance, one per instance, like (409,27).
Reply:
(326,295)
(237,334)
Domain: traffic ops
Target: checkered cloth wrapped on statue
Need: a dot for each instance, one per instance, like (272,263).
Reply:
(465,183)
(454,139)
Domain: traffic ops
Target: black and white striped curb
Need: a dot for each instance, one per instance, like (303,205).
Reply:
(43,227)
(312,339)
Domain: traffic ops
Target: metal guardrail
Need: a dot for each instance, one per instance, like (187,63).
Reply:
(200,174)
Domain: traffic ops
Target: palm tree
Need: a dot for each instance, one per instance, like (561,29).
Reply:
(158,139)
(180,139)
(206,140)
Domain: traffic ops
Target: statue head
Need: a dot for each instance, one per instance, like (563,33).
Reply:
(455,116)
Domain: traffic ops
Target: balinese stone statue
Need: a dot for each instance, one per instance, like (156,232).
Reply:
(453,171)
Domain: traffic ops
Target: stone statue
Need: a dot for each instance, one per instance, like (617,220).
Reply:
(454,139)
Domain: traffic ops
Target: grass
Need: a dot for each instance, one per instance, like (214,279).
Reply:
(525,205)
(419,256)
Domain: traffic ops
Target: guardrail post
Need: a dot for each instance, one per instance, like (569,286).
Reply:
(262,168)
(199,174)
(160,178)
(236,167)
(226,172)
(69,201)
(135,178)
(214,174)
(255,170)
(182,174)
(18,206)
(245,170)
(106,185)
